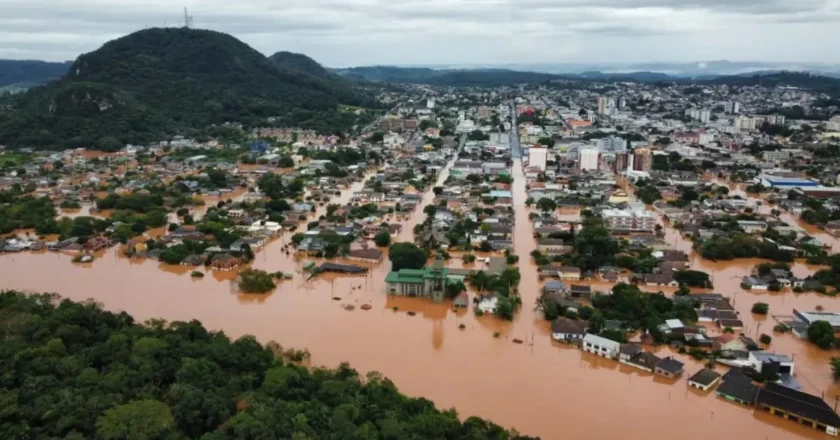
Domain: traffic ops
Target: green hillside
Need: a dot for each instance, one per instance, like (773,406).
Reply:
(158,82)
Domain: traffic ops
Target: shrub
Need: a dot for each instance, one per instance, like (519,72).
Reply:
(760,308)
(197,274)
(765,339)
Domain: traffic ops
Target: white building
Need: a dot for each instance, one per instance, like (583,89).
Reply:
(589,159)
(629,220)
(537,157)
(699,114)
(612,143)
(430,103)
(600,346)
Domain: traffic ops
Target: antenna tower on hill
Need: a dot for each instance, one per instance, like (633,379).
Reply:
(188,19)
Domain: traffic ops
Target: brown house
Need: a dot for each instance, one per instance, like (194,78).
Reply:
(225,262)
(96,243)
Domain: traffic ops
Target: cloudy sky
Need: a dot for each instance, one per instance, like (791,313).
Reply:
(362,32)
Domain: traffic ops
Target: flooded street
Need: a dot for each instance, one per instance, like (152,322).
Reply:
(540,387)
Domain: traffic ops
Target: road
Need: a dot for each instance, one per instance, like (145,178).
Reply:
(515,147)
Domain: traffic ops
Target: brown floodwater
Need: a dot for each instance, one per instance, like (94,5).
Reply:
(539,387)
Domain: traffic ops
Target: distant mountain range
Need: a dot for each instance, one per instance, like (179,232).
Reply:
(493,77)
(30,72)
(689,70)
(158,82)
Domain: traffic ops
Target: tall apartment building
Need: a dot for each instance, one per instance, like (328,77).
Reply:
(621,162)
(589,159)
(484,112)
(537,157)
(699,114)
(602,105)
(746,123)
(612,144)
(732,107)
(642,159)
(629,220)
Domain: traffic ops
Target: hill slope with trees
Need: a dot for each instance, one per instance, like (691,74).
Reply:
(73,371)
(163,81)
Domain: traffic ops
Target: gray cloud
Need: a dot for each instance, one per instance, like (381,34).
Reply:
(358,32)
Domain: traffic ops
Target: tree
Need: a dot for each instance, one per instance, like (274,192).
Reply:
(760,308)
(382,238)
(406,256)
(454,288)
(138,420)
(597,322)
(835,367)
(430,210)
(505,308)
(545,204)
(255,281)
(693,278)
(822,334)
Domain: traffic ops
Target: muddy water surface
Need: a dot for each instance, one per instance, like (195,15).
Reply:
(540,387)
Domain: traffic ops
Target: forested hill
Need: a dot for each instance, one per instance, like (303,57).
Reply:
(72,371)
(301,63)
(30,71)
(163,81)
(300,69)
(804,80)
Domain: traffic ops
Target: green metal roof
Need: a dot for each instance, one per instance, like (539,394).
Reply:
(405,278)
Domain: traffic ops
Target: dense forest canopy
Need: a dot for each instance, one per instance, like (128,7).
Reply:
(163,81)
(70,370)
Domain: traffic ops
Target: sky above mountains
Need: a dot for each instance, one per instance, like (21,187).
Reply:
(342,33)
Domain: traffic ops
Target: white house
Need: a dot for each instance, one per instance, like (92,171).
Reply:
(759,359)
(565,329)
(600,346)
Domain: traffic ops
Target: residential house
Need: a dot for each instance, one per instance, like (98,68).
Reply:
(737,388)
(669,367)
(644,360)
(601,346)
(312,245)
(96,243)
(565,329)
(660,279)
(552,246)
(704,379)
(461,300)
(224,261)
(555,287)
(579,290)
(628,352)
(192,260)
(763,361)
(754,283)
(568,273)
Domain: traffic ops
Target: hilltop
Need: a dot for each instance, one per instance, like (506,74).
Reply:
(162,81)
